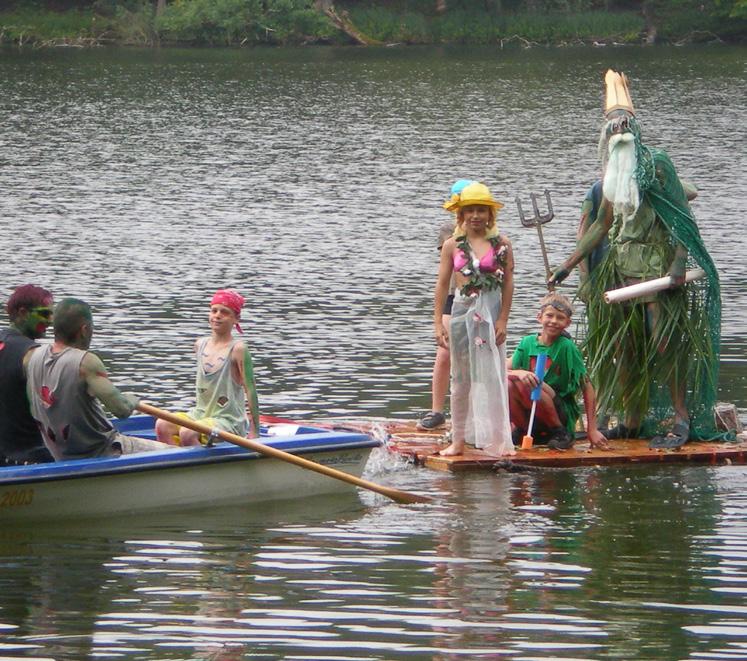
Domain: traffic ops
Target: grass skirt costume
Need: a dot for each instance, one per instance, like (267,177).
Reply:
(632,361)
(479,392)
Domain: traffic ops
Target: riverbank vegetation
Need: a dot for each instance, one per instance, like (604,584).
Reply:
(37,23)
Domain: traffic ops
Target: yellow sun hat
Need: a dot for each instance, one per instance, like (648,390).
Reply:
(474,194)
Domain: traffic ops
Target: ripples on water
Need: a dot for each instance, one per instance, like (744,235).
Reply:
(312,181)
(560,564)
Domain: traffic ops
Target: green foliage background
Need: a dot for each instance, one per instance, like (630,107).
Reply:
(293,22)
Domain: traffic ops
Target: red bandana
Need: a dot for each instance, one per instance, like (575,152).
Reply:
(232,300)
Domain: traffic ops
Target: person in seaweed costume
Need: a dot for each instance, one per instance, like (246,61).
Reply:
(482,263)
(654,360)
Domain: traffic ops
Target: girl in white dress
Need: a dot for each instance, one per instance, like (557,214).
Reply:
(482,262)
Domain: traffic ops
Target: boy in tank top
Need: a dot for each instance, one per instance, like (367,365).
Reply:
(67,385)
(226,397)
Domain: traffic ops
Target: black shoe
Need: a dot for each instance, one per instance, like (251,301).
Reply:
(432,420)
(620,431)
(674,439)
(542,436)
(517,436)
(561,439)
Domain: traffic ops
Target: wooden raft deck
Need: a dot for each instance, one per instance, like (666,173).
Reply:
(421,447)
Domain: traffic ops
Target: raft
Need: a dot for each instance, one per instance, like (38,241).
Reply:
(421,448)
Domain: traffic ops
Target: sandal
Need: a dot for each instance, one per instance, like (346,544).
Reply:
(432,420)
(674,439)
(620,431)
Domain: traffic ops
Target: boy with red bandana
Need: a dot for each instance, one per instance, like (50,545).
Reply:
(225,378)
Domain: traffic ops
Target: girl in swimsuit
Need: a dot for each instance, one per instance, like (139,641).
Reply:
(482,263)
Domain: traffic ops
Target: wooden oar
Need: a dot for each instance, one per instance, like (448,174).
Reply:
(251,444)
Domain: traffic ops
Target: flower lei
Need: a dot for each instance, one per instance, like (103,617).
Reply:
(478,281)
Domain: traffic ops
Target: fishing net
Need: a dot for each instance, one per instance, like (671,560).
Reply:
(637,353)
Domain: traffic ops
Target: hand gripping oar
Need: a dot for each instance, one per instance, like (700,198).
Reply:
(251,444)
(539,370)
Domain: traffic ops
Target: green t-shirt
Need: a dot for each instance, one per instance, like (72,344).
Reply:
(564,370)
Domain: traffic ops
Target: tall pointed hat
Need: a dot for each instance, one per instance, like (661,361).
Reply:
(617,94)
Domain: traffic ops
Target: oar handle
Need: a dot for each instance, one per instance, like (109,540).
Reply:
(251,444)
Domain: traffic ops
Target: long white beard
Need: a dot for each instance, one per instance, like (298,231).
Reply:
(620,185)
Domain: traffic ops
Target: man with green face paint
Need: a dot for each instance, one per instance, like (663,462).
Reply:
(30,312)
(67,385)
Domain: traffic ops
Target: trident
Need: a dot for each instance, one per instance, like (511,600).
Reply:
(538,220)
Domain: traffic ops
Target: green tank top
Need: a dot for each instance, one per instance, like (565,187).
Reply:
(218,396)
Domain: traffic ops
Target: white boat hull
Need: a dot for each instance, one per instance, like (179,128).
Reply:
(179,478)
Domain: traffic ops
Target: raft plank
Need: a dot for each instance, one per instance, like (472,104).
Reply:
(421,448)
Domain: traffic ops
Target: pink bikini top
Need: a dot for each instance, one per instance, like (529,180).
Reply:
(488,262)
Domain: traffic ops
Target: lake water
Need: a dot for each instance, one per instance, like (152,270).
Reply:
(311,180)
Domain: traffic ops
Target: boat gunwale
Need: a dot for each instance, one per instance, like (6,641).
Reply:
(222,452)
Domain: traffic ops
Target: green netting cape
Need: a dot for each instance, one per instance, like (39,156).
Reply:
(632,360)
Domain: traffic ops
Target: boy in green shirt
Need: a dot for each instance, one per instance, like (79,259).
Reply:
(565,374)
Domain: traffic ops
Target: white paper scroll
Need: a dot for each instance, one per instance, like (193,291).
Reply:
(648,287)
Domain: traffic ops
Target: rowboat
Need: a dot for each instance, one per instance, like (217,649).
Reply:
(222,474)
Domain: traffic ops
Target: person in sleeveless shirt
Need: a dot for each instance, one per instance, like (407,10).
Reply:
(67,385)
(226,394)
(30,312)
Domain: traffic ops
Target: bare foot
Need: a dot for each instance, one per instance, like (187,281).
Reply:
(453,450)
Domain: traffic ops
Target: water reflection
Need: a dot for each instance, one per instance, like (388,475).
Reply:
(556,564)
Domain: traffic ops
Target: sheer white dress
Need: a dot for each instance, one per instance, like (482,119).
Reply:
(479,380)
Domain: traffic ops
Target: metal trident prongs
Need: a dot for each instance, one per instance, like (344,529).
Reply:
(538,220)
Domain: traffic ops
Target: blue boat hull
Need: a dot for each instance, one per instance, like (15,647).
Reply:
(179,478)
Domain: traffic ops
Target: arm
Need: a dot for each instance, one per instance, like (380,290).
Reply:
(678,266)
(244,368)
(93,372)
(588,242)
(691,191)
(527,377)
(445,270)
(583,227)
(596,439)
(516,372)
(507,295)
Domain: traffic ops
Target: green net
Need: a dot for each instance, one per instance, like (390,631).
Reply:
(638,354)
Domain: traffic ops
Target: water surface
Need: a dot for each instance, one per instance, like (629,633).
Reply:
(311,181)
